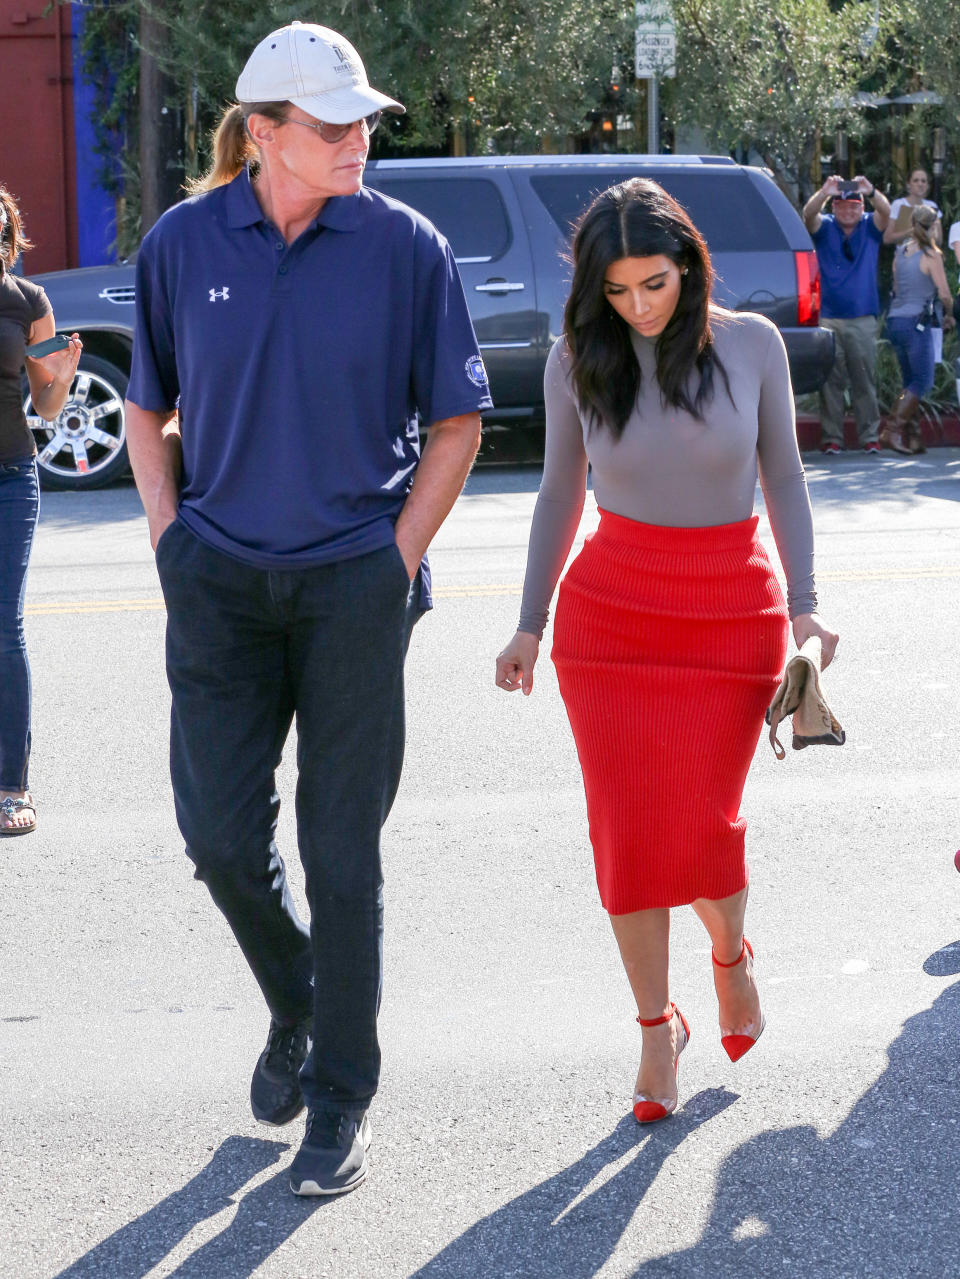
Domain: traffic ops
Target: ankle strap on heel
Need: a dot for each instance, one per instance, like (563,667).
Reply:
(658,1021)
(745,949)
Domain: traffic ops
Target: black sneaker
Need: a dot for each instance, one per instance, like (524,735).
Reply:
(275,1096)
(333,1157)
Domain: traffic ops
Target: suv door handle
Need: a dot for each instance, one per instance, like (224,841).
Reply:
(498,286)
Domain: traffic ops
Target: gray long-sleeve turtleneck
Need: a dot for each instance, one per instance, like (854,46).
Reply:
(667,468)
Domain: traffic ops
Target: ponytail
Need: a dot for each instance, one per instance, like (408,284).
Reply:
(233,148)
(13,242)
(922,222)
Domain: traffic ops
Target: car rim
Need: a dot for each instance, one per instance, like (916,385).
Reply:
(88,432)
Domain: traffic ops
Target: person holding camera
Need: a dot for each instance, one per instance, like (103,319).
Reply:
(847,241)
(918,278)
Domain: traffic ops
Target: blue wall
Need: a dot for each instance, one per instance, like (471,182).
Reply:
(96,226)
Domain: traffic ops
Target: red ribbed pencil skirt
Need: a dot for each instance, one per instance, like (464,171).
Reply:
(669,644)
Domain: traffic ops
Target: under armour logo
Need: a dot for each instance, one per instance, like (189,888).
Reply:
(223,294)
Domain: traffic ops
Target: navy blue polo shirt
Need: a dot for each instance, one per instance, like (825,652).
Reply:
(848,281)
(299,370)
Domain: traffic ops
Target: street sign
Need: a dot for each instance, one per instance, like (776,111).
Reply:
(656,43)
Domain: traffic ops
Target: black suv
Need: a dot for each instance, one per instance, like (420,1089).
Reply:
(508,219)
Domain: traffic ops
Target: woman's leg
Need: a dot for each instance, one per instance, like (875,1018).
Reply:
(644,941)
(19,504)
(736,989)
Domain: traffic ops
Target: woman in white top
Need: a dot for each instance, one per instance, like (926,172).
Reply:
(899,226)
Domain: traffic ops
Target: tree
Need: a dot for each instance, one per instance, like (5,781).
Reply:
(773,76)
(518,77)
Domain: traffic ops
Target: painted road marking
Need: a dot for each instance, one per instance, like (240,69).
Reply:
(476,592)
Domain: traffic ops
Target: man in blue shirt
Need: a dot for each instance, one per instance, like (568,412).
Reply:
(291,327)
(847,241)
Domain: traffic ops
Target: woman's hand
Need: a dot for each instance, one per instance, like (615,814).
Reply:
(515,664)
(805,626)
(62,365)
(51,376)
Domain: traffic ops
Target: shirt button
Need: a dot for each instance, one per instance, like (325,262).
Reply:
(279,246)
(283,270)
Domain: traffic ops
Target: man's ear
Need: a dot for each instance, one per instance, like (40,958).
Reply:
(261,128)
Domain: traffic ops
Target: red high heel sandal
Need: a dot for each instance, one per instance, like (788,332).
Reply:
(645,1110)
(736,1045)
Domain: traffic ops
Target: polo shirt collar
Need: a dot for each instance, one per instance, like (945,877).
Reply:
(340,213)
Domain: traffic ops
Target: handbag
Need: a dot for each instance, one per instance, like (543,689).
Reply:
(800,695)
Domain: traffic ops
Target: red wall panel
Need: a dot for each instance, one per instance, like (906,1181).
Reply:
(37,159)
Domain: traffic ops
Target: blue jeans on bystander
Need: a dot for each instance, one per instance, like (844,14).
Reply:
(914,352)
(19,508)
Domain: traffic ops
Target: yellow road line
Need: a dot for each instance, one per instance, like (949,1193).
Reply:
(484,591)
(94,606)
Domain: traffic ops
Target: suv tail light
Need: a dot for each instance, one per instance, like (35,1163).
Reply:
(808,288)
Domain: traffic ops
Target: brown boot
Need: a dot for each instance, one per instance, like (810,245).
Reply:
(914,437)
(894,432)
(908,407)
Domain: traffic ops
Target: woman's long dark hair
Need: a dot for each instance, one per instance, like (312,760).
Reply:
(638,219)
(13,242)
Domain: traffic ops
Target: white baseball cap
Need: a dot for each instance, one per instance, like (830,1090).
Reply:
(317,70)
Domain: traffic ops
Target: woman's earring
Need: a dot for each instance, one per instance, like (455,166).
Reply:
(684,270)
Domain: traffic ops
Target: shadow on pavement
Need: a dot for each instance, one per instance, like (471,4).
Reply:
(878,1197)
(857,478)
(944,962)
(119,503)
(265,1219)
(554,1229)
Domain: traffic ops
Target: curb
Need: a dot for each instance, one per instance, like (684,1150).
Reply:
(942,432)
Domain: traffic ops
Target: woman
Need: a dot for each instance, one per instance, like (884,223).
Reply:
(670,633)
(25,318)
(898,228)
(918,279)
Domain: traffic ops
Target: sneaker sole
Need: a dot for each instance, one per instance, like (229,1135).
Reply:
(311,1187)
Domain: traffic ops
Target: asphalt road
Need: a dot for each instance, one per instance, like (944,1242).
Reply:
(502,1140)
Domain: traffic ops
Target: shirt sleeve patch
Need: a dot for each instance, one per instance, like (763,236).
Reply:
(475,371)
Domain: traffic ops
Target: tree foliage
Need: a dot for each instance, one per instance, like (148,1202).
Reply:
(773,76)
(514,77)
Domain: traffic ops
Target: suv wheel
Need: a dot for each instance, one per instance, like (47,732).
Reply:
(85,447)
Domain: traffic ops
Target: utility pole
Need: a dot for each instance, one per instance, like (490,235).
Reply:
(160,140)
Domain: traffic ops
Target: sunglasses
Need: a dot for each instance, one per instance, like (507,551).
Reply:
(846,248)
(337,132)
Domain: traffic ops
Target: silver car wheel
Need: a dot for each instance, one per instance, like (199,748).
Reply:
(85,446)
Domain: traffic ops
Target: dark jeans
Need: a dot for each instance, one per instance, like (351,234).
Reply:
(914,352)
(19,507)
(247,650)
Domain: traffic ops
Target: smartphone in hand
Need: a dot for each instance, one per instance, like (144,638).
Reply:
(58,342)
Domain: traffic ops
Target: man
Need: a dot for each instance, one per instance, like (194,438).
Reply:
(847,241)
(298,322)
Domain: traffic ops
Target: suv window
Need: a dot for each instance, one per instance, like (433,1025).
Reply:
(730,212)
(468,211)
